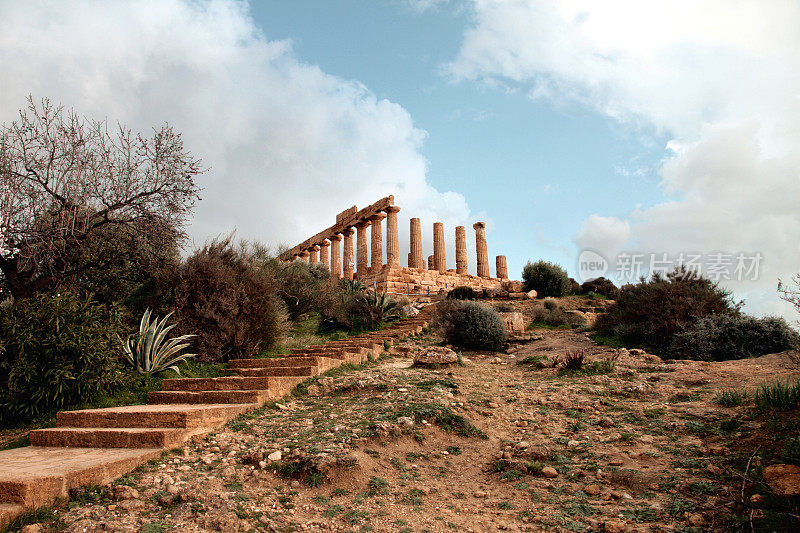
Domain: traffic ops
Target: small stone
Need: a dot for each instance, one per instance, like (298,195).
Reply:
(406,421)
(275,456)
(615,462)
(480,494)
(493,405)
(532,294)
(262,464)
(124,492)
(173,489)
(696,520)
(549,472)
(31,528)
(783,479)
(592,490)
(573,443)
(496,361)
(756,498)
(614,526)
(606,422)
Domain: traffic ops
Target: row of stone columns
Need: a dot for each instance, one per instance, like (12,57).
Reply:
(342,264)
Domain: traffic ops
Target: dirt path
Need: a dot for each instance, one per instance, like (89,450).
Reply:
(640,448)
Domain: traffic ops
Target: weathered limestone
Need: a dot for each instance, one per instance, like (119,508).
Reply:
(362,258)
(347,258)
(430,263)
(502,267)
(336,256)
(304,255)
(377,242)
(461,250)
(417,258)
(480,248)
(314,251)
(392,241)
(439,256)
(324,257)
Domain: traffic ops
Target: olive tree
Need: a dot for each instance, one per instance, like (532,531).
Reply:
(74,192)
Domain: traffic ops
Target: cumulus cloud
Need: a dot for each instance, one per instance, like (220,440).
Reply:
(717,78)
(288,145)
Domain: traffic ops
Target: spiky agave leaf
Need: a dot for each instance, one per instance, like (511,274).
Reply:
(149,351)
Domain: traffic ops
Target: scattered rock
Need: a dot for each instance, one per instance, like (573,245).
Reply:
(696,520)
(124,492)
(532,294)
(512,285)
(496,361)
(783,479)
(614,526)
(549,472)
(408,311)
(435,355)
(592,490)
(31,528)
(406,421)
(275,456)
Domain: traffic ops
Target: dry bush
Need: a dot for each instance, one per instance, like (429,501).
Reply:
(228,297)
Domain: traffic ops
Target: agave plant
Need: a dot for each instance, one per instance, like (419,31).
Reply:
(149,351)
(388,307)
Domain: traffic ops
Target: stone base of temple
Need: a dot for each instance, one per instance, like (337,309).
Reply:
(417,282)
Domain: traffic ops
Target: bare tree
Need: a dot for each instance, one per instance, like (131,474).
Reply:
(65,181)
(789,293)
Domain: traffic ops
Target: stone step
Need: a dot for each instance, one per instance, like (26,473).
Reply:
(202,397)
(215,384)
(311,360)
(9,511)
(110,437)
(34,476)
(164,416)
(277,371)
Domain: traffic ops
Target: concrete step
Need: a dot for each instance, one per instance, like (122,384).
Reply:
(110,437)
(163,416)
(215,384)
(200,397)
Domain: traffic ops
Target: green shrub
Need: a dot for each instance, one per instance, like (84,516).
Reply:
(602,286)
(651,312)
(732,336)
(463,293)
(302,287)
(470,325)
(778,396)
(57,350)
(353,308)
(228,297)
(555,317)
(730,397)
(547,279)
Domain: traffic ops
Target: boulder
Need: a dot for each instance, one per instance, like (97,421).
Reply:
(495,293)
(532,294)
(435,355)
(514,321)
(783,479)
(409,310)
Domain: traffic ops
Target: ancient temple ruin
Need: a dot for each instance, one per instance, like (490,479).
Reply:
(333,247)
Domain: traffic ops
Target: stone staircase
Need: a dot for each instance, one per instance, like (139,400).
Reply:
(94,446)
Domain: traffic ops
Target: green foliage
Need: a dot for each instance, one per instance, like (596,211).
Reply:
(552,315)
(470,325)
(601,286)
(778,396)
(547,279)
(150,352)
(652,311)
(57,350)
(732,336)
(730,397)
(536,361)
(228,297)
(463,293)
(303,287)
(355,309)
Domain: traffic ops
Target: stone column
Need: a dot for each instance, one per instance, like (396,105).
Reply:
(502,267)
(480,248)
(417,259)
(314,254)
(347,258)
(376,244)
(304,255)
(439,255)
(336,257)
(430,262)
(461,251)
(362,259)
(392,241)
(324,256)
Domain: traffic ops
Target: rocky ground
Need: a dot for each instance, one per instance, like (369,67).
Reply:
(501,441)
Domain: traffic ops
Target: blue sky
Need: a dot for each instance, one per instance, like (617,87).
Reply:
(534,168)
(624,127)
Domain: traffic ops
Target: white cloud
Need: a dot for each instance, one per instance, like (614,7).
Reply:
(719,78)
(288,145)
